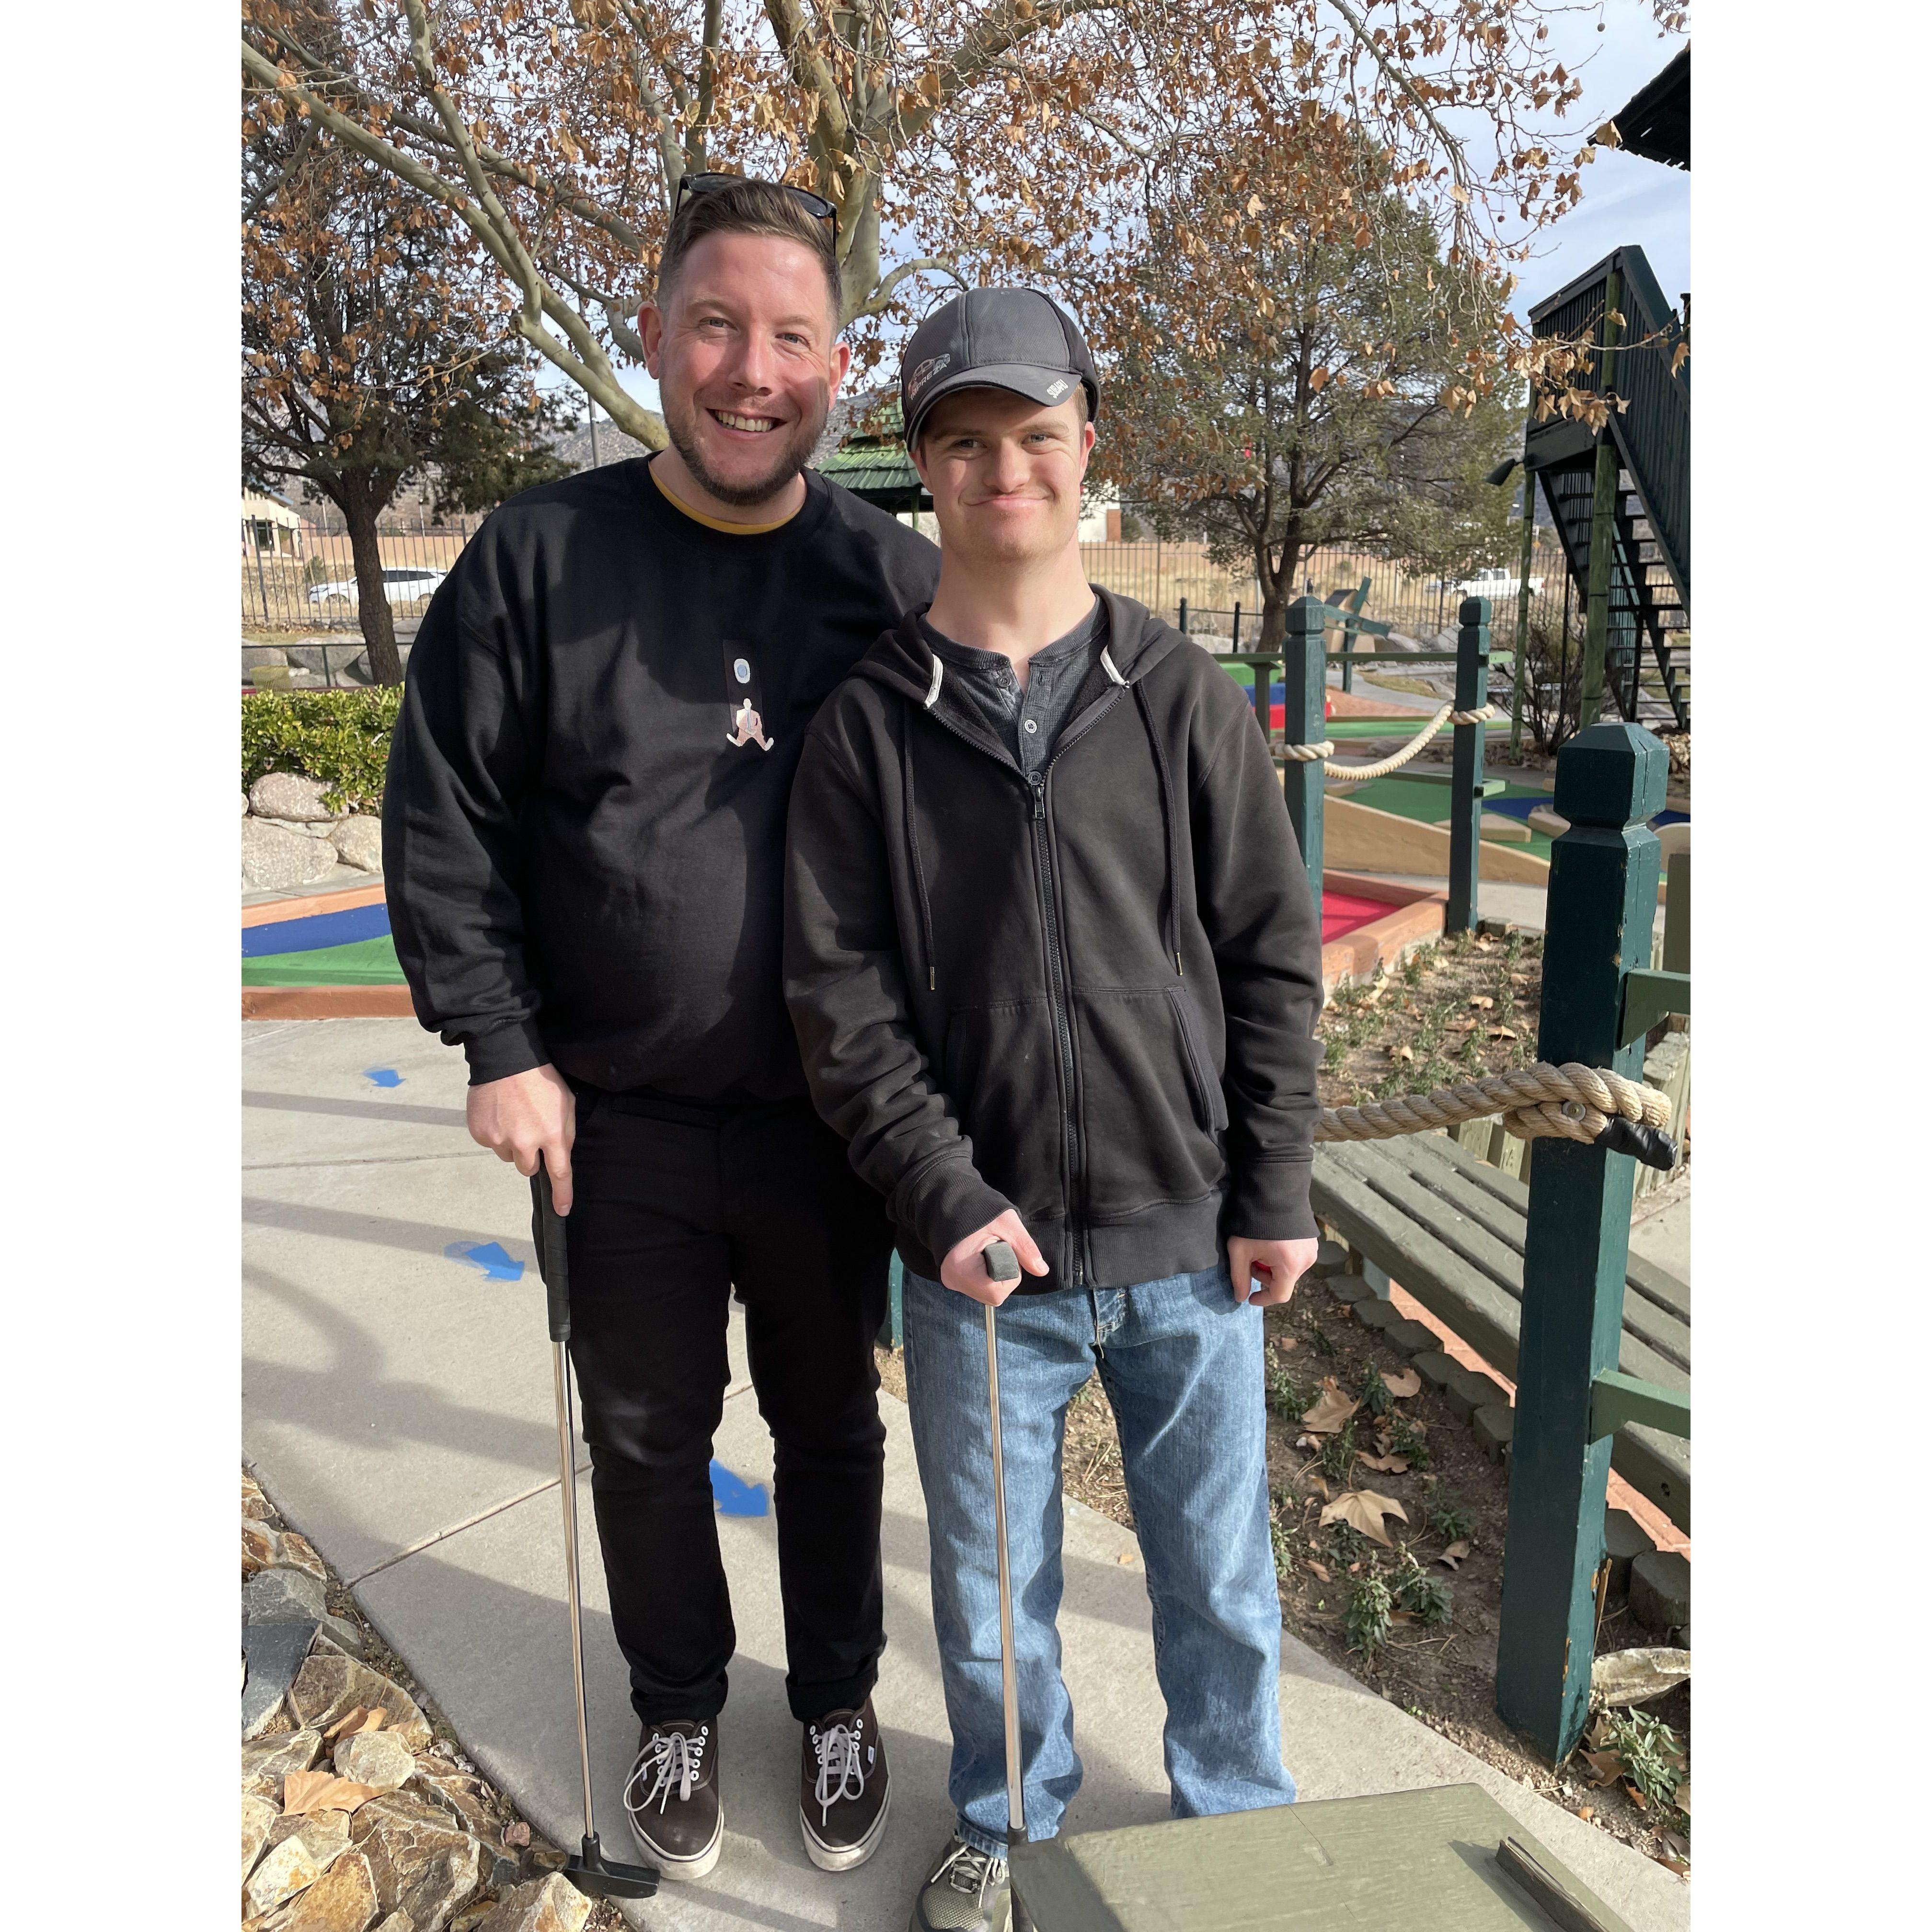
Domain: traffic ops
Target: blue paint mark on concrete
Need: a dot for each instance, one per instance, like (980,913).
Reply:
(735,1497)
(488,1255)
(383,1076)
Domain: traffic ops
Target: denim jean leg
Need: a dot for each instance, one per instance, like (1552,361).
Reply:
(1184,1373)
(1044,1357)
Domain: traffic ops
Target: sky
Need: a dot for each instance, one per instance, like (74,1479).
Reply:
(1624,200)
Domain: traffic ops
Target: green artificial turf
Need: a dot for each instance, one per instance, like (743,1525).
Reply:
(364,962)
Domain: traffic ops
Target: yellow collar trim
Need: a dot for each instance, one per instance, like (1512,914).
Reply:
(712,523)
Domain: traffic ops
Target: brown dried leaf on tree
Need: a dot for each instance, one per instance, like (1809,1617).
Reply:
(1364,1509)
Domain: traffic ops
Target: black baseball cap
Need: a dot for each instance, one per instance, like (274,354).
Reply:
(1015,339)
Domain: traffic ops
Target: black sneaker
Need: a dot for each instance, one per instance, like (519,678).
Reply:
(672,1797)
(843,1790)
(966,1890)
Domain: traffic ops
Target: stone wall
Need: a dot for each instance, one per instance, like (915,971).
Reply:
(290,837)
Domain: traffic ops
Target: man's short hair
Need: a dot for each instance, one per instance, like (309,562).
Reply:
(750,207)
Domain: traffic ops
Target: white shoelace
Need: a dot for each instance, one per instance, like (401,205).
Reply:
(670,1759)
(972,1869)
(838,1751)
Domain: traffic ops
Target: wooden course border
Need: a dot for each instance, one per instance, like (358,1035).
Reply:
(1414,918)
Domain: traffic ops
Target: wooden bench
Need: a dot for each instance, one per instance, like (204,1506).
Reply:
(1449,1228)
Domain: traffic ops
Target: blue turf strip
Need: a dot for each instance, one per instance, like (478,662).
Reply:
(312,934)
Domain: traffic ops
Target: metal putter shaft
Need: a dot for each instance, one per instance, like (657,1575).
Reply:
(588,1869)
(1001,1265)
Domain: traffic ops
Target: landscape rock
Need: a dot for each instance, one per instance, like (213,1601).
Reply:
(280,1595)
(1467,1390)
(281,1873)
(325,1834)
(273,859)
(1494,1424)
(1372,1312)
(1624,1542)
(257,1816)
(267,1761)
(273,1652)
(400,1921)
(380,1758)
(1330,1258)
(1435,1366)
(472,1915)
(422,1863)
(254,1503)
(342,1900)
(331,1686)
(1413,1337)
(551,1904)
(289,796)
(345,1635)
(1660,1590)
(1349,1288)
(298,1553)
(358,839)
(261,1545)
(469,1799)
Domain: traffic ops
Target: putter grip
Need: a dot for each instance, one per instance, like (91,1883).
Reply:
(1001,1263)
(553,1256)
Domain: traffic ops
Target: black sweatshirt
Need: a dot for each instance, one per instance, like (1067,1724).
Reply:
(1089,994)
(583,866)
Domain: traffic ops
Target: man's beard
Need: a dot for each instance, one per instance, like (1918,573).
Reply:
(792,448)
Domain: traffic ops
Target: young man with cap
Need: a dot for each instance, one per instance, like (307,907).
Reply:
(1054,965)
(584,841)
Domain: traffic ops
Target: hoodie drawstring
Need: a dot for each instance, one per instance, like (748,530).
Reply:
(918,865)
(1169,832)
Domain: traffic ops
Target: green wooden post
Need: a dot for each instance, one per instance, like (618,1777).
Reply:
(1522,615)
(1603,527)
(1304,695)
(1466,776)
(1603,900)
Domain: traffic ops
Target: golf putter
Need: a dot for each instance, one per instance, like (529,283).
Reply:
(1002,1265)
(592,1873)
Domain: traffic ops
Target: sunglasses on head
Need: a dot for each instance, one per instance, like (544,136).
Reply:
(816,205)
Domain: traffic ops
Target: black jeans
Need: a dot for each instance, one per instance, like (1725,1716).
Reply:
(673,1206)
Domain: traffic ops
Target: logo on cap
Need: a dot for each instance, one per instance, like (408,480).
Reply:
(1053,389)
(925,372)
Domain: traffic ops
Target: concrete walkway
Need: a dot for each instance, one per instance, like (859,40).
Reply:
(398,1408)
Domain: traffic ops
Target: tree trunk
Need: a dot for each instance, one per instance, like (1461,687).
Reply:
(360,510)
(1277,590)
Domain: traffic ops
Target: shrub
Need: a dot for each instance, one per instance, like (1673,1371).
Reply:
(340,737)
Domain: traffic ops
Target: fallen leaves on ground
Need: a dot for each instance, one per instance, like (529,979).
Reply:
(1387,1466)
(1364,1510)
(1327,1575)
(1481,1002)
(303,1791)
(1502,1032)
(1586,1812)
(1408,1383)
(1453,1555)
(1407,1053)
(1332,1408)
(357,1721)
(1606,1766)
(1288,1344)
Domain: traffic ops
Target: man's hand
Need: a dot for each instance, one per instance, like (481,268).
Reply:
(1278,1264)
(527,1118)
(963,1270)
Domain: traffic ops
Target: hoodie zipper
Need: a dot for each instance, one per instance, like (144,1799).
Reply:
(1058,974)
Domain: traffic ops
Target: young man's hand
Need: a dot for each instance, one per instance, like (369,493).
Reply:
(963,1270)
(527,1118)
(1270,1268)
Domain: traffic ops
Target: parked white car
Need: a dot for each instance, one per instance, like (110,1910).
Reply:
(1497,582)
(399,586)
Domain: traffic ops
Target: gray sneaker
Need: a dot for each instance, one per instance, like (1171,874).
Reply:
(966,1890)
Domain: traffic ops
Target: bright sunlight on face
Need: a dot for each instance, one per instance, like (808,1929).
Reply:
(1005,474)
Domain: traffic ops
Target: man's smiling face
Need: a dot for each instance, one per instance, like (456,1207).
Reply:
(747,362)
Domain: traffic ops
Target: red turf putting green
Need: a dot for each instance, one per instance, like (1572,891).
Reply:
(1343,912)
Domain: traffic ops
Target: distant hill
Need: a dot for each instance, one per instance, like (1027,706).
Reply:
(613,445)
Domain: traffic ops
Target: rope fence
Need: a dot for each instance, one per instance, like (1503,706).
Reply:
(1308,755)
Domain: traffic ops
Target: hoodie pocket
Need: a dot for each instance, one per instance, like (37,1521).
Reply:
(1149,1105)
(1210,1104)
(1003,1077)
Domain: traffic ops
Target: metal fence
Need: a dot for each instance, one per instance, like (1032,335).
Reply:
(298,581)
(299,577)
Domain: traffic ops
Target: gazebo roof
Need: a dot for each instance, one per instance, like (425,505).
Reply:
(870,459)
(1655,121)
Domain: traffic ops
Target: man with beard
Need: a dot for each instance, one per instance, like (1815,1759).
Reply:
(583,834)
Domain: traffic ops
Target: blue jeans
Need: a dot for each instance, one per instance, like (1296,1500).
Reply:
(1181,1362)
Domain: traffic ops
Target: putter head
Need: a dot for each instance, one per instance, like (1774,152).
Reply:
(597,1877)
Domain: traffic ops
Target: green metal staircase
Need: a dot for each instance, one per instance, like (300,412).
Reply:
(1647,667)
